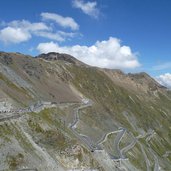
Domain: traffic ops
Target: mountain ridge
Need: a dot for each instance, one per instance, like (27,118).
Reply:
(52,56)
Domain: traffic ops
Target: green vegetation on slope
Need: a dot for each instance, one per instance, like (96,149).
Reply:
(111,101)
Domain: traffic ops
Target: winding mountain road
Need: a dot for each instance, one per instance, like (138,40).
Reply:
(156,161)
(145,157)
(5,116)
(120,132)
(87,141)
(128,147)
(104,138)
(117,140)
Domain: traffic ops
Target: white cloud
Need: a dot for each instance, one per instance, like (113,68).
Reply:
(89,8)
(20,31)
(107,53)
(165,79)
(28,26)
(14,35)
(49,35)
(67,34)
(66,22)
(58,36)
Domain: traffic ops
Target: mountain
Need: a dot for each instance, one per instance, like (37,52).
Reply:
(59,114)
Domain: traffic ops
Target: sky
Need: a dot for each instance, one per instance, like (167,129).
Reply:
(132,35)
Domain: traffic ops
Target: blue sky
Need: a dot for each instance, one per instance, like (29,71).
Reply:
(132,35)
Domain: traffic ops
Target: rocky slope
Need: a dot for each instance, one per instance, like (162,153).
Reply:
(59,114)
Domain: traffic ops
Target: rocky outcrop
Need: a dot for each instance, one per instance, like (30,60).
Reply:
(58,56)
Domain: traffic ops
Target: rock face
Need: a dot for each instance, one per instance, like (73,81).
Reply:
(57,113)
(58,56)
(5,58)
(144,78)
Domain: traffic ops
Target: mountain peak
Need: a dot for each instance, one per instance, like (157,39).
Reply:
(145,79)
(58,56)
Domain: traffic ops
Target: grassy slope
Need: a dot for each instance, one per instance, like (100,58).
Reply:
(49,131)
(111,101)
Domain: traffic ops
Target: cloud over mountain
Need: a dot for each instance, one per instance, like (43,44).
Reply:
(165,79)
(108,53)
